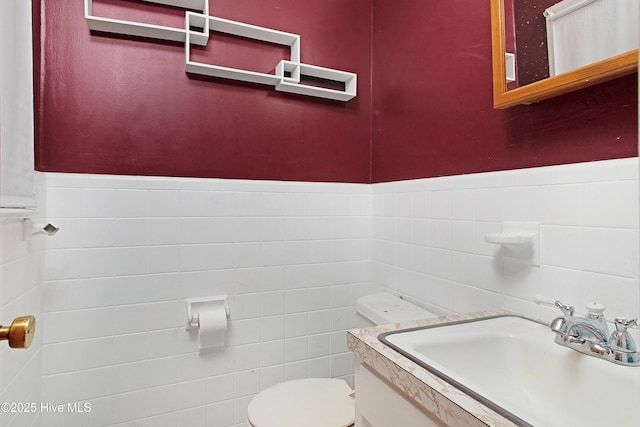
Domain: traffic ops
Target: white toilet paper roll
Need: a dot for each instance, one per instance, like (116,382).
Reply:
(212,327)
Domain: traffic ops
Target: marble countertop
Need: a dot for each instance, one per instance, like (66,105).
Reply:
(427,390)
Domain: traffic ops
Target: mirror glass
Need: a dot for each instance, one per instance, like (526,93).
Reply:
(544,48)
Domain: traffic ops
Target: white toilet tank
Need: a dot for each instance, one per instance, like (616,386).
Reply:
(324,402)
(383,308)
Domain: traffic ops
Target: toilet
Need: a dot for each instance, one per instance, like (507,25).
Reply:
(326,402)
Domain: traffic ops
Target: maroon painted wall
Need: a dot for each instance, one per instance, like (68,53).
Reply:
(120,105)
(125,106)
(433,113)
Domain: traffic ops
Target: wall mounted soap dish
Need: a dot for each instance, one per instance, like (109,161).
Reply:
(519,242)
(513,238)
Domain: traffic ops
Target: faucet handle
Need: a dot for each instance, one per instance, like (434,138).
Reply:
(567,310)
(620,339)
(623,324)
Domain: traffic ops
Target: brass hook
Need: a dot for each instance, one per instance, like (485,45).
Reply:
(20,333)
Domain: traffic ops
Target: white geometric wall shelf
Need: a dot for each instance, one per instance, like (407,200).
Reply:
(198,27)
(139,29)
(213,24)
(297,70)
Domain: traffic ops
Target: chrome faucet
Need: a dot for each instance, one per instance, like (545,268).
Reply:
(590,334)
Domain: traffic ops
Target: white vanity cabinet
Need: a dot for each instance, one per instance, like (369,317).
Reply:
(380,404)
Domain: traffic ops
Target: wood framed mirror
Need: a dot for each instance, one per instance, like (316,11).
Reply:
(579,78)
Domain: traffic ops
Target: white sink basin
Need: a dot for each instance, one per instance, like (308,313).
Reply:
(512,365)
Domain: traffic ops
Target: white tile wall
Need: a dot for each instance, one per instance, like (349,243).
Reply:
(428,238)
(21,272)
(292,256)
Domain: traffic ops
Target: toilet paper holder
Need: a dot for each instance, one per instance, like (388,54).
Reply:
(197,305)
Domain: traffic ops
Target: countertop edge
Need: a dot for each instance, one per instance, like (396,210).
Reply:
(428,391)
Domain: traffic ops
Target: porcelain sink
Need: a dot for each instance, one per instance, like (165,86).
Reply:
(512,365)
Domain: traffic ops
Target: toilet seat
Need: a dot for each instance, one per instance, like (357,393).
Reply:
(313,402)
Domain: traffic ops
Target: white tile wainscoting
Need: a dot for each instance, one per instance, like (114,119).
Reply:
(293,257)
(428,238)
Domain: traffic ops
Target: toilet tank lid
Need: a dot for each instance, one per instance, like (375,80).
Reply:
(383,308)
